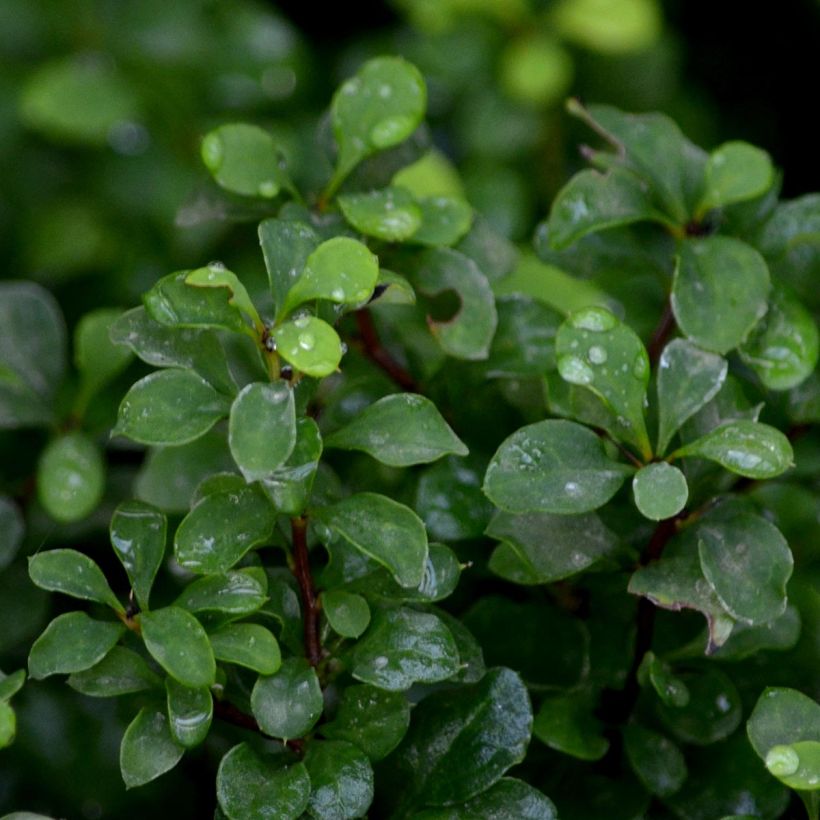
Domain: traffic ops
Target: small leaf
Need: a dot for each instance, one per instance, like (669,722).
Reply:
(170,407)
(178,643)
(747,448)
(797,765)
(262,429)
(72,573)
(248,645)
(70,477)
(244,159)
(12,528)
(720,291)
(147,749)
(190,712)
(288,703)
(11,684)
(382,529)
(688,378)
(234,593)
(71,643)
(390,214)
(341,780)
(660,491)
(311,345)
(371,718)
(222,528)
(8,726)
(251,787)
(657,761)
(669,688)
(120,672)
(96,357)
(735,172)
(216,275)
(552,466)
(566,723)
(399,430)
(347,613)
(403,647)
(444,220)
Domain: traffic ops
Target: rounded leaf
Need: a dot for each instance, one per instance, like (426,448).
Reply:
(288,703)
(178,643)
(390,214)
(190,712)
(70,477)
(341,780)
(72,573)
(248,645)
(347,613)
(660,491)
(735,172)
(147,749)
(310,345)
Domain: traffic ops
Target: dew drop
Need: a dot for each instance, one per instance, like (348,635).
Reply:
(268,189)
(301,322)
(571,488)
(575,370)
(640,367)
(216,266)
(390,131)
(596,354)
(595,319)
(306,341)
(782,761)
(338,294)
(212,152)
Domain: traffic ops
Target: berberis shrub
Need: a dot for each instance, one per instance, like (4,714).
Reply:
(429,509)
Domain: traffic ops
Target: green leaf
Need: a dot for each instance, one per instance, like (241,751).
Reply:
(383,530)
(71,643)
(797,765)
(8,725)
(341,780)
(633,28)
(539,548)
(373,719)
(12,528)
(595,350)
(310,345)
(403,647)
(377,108)
(660,491)
(469,333)
(216,275)
(508,798)
(288,703)
(262,429)
(245,159)
(552,466)
(178,643)
(462,741)
(783,347)
(170,407)
(70,477)
(72,573)
(248,645)
(120,672)
(688,378)
(747,448)
(444,220)
(11,684)
(190,712)
(222,528)
(250,787)
(566,723)
(735,172)
(347,613)
(97,358)
(234,593)
(393,289)
(780,634)
(147,749)
(138,533)
(747,561)
(720,291)
(399,430)
(390,214)
(657,761)
(669,688)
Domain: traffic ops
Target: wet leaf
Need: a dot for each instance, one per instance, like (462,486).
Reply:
(216,275)
(391,214)
(288,703)
(444,220)
(190,712)
(347,613)
(178,643)
(508,798)
(72,573)
(341,780)
(735,172)
(147,749)
(120,672)
(234,593)
(660,491)
(311,345)
(248,645)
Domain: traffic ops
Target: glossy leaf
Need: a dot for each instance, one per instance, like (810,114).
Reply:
(96,357)
(403,647)
(399,430)
(234,593)
(216,275)
(222,528)
(444,220)
(390,214)
(178,643)
(71,643)
(747,448)
(12,528)
(555,467)
(508,798)
(661,676)
(147,749)
(539,548)
(341,780)
(720,291)
(311,345)
(796,765)
(566,723)
(248,645)
(70,477)
(286,247)
(288,703)
(688,378)
(735,172)
(72,573)
(170,407)
(347,613)
(138,533)
(660,491)
(657,761)
(250,787)
(190,712)
(120,672)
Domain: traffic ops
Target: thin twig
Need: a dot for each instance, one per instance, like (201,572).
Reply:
(301,570)
(372,348)
(661,334)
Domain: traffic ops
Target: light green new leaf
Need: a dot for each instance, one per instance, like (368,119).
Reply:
(147,749)
(688,378)
(120,672)
(222,528)
(341,780)
(390,214)
(566,723)
(399,430)
(383,530)
(170,407)
(262,429)
(657,761)
(748,448)
(248,645)
(70,477)
(660,491)
(178,643)
(216,275)
(595,350)
(311,345)
(71,643)
(720,291)
(190,712)
(347,613)
(735,172)
(72,573)
(97,358)
(796,765)
(250,787)
(234,593)
(288,703)
(444,220)
(552,466)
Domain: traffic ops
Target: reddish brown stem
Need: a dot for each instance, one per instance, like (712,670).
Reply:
(661,334)
(310,606)
(378,355)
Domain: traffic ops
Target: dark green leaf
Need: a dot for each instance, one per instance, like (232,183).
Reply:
(178,643)
(147,748)
(657,761)
(72,573)
(508,799)
(190,712)
(310,345)
(735,172)
(286,247)
(341,780)
(444,220)
(566,723)
(11,684)
(667,685)
(216,275)
(120,672)
(390,214)
(234,593)
(660,491)
(248,645)
(347,613)
(288,703)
